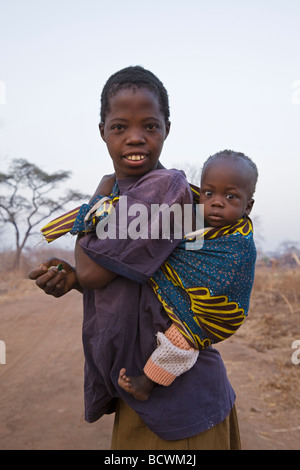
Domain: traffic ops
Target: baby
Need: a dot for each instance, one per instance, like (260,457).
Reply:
(217,279)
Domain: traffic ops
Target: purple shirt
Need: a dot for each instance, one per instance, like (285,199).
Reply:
(121,320)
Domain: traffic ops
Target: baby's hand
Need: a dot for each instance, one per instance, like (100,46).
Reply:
(55,277)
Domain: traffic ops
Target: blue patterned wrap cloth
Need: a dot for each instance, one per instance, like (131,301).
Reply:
(206,292)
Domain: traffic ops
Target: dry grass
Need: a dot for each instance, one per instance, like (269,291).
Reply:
(272,286)
(271,328)
(275,306)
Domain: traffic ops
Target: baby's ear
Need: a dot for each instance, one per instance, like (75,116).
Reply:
(249,206)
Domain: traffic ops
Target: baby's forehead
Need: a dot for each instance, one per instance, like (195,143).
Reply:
(227,171)
(228,167)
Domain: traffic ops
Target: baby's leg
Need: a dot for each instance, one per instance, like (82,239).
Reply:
(140,387)
(173,357)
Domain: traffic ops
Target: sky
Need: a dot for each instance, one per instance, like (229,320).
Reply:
(231,68)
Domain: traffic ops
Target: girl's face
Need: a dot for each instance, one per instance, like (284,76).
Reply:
(225,193)
(134,131)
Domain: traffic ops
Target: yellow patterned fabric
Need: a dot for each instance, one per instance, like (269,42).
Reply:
(82,219)
(59,226)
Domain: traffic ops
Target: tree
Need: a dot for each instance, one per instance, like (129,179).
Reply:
(192,173)
(26,201)
(289,246)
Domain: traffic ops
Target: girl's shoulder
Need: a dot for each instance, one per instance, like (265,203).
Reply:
(165,176)
(162,186)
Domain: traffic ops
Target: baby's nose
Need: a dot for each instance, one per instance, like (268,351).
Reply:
(218,201)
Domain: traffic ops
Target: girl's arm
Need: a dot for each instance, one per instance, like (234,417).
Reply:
(87,274)
(54,281)
(57,283)
(90,275)
(105,186)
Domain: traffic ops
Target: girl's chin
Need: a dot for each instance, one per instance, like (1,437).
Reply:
(135,167)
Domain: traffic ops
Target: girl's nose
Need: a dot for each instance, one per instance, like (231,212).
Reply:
(135,137)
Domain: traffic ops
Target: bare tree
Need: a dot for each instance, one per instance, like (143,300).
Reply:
(192,172)
(25,199)
(289,246)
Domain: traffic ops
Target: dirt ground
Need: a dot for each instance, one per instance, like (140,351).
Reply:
(41,384)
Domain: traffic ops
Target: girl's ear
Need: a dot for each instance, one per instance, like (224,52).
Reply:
(249,206)
(101,129)
(168,126)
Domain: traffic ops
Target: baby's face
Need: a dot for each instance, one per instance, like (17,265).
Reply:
(225,192)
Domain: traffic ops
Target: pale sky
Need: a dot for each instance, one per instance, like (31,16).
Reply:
(231,68)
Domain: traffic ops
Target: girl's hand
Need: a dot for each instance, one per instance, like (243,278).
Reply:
(105,186)
(55,277)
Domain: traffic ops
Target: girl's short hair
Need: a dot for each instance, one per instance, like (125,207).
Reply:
(128,78)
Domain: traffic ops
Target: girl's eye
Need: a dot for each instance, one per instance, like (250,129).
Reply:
(117,127)
(231,196)
(152,127)
(208,193)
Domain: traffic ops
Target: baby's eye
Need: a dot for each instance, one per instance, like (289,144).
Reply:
(231,196)
(207,193)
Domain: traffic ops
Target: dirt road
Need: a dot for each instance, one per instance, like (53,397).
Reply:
(41,384)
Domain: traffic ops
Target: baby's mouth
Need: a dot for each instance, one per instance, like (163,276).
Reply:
(215,216)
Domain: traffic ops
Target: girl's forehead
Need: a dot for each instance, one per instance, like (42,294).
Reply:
(133,100)
(134,104)
(133,92)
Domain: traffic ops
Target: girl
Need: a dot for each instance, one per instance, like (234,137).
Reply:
(121,313)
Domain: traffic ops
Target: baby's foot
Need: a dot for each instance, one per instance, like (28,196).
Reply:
(139,387)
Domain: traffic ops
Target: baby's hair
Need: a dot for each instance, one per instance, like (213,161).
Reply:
(238,156)
(128,78)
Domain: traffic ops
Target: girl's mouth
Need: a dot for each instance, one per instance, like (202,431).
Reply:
(135,158)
